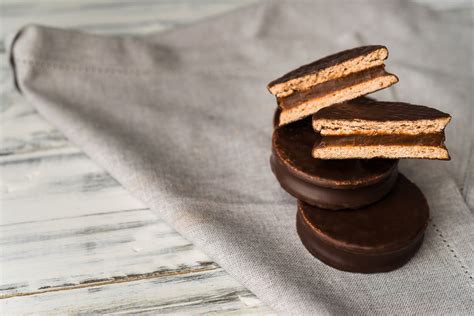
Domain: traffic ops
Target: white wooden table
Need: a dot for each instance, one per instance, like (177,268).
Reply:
(72,240)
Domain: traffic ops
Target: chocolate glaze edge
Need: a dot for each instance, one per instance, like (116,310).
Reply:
(307,137)
(326,62)
(362,251)
(355,262)
(334,184)
(386,205)
(378,111)
(330,198)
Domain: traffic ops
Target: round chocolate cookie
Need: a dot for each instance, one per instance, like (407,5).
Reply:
(332,184)
(377,238)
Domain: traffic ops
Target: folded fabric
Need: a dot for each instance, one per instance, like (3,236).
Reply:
(183,120)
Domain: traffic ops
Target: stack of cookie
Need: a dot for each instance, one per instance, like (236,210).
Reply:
(336,151)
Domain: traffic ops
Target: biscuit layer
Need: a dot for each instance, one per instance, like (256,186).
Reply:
(428,146)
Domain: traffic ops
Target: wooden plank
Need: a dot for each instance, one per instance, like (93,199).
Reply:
(135,17)
(65,183)
(23,130)
(63,253)
(68,247)
(206,292)
(71,238)
(111,17)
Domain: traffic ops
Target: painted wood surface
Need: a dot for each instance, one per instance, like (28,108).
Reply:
(72,240)
(206,292)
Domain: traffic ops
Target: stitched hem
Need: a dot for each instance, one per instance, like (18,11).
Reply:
(454,254)
(87,69)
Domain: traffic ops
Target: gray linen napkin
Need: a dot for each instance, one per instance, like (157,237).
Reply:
(183,120)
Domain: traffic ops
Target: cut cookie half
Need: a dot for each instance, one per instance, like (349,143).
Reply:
(328,68)
(299,105)
(369,117)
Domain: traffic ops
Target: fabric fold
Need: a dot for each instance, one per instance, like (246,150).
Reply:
(183,121)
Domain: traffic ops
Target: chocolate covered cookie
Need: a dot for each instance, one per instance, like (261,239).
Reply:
(377,238)
(332,184)
(333,79)
(328,68)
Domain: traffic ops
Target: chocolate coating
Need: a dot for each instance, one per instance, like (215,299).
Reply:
(276,117)
(327,61)
(328,198)
(292,146)
(377,238)
(371,110)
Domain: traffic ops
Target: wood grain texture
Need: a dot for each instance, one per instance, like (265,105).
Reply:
(72,239)
(92,248)
(57,184)
(206,292)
